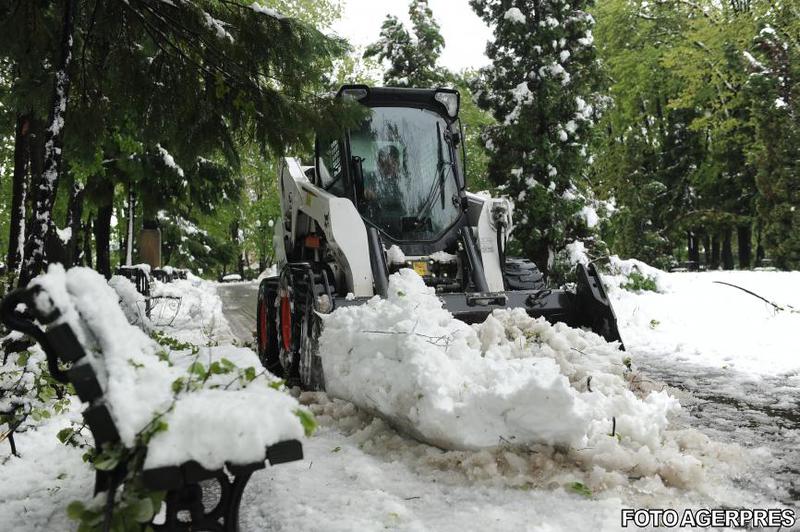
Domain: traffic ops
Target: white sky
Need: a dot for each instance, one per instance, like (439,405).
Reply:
(465,34)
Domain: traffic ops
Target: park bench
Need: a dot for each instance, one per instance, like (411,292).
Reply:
(187,505)
(138,276)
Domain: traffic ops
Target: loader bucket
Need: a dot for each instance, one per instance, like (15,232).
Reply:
(588,306)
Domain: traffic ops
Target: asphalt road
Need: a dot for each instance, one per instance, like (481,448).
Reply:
(239,306)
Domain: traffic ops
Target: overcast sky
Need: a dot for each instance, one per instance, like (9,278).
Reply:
(465,34)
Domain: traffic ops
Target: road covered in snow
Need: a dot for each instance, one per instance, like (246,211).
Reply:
(700,411)
(728,357)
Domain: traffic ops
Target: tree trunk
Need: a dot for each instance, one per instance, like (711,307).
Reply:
(86,259)
(727,252)
(35,258)
(744,237)
(74,215)
(102,239)
(715,252)
(694,250)
(707,249)
(19,187)
(36,167)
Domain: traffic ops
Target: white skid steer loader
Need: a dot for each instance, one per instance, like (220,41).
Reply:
(390,194)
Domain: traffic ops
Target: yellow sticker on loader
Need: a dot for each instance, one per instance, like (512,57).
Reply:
(421,267)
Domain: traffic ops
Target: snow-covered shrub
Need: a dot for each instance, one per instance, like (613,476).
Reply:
(28,393)
(633,275)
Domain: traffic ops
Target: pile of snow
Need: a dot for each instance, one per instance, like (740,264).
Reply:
(510,380)
(133,303)
(138,381)
(693,319)
(190,310)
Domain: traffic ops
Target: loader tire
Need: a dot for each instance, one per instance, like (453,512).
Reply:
(266,331)
(522,274)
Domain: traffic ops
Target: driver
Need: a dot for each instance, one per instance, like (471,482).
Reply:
(388,174)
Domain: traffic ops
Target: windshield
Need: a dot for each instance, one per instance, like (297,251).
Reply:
(409,188)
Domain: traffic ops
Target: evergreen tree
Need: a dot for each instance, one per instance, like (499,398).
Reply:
(192,76)
(412,58)
(541,90)
(774,85)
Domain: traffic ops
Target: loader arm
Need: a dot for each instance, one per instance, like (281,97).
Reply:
(306,209)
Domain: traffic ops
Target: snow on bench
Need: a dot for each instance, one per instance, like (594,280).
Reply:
(201,410)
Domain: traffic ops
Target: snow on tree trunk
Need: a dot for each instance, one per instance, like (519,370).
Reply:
(16,241)
(35,258)
(541,87)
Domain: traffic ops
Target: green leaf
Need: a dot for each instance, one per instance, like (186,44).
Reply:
(177,385)
(580,489)
(65,434)
(198,369)
(336,449)
(143,510)
(307,420)
(75,510)
(250,374)
(22,359)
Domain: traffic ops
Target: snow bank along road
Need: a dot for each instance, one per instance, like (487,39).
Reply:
(728,357)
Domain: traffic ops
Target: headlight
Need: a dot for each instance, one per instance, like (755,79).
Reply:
(354,92)
(450,101)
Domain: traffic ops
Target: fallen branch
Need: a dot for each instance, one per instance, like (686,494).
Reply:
(765,300)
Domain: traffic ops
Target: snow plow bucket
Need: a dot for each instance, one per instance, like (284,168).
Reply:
(588,306)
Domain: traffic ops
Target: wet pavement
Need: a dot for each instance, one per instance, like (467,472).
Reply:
(239,306)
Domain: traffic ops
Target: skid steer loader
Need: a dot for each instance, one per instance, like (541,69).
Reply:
(390,194)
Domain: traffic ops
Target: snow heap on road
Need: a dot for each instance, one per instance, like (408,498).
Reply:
(141,381)
(511,380)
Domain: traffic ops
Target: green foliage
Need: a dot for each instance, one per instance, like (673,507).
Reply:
(773,85)
(638,282)
(31,393)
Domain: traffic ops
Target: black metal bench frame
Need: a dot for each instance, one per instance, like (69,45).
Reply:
(182,483)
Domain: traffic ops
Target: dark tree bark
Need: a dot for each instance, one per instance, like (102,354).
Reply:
(86,259)
(760,253)
(707,248)
(694,248)
(744,239)
(715,252)
(102,239)
(74,214)
(727,251)
(19,191)
(35,254)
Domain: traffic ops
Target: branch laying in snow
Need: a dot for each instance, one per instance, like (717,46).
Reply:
(765,300)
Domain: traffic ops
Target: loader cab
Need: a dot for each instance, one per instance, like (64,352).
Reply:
(402,165)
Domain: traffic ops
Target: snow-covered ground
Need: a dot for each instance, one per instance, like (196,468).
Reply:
(729,358)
